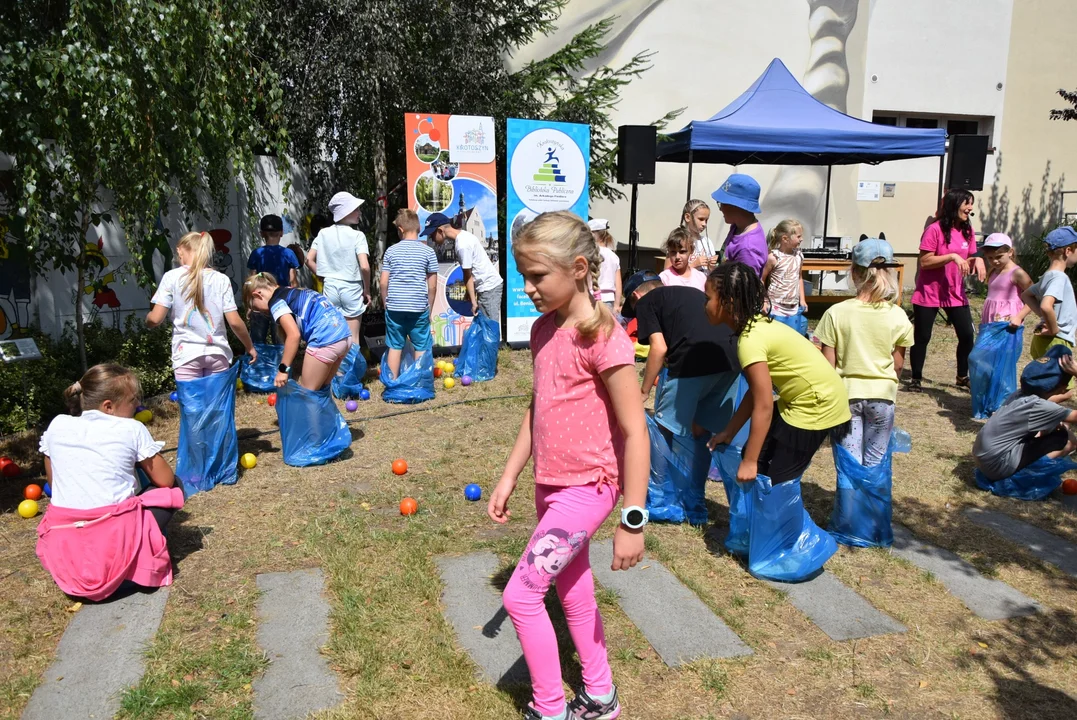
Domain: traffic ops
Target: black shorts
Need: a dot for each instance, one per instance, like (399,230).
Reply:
(1037,447)
(788,451)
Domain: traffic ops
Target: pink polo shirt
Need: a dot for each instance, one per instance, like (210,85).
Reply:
(944,286)
(575,436)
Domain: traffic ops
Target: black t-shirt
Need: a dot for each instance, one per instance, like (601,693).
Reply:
(695,347)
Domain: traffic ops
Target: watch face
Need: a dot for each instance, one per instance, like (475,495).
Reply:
(634,518)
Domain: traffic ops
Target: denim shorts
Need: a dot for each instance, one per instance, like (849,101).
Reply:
(403,326)
(707,400)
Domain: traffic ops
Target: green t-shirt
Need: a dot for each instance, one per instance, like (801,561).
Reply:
(864,336)
(811,396)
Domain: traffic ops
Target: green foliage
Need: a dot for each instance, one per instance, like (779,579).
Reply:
(148,352)
(1033,259)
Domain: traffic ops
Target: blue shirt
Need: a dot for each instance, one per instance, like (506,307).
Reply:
(320,323)
(274,259)
(408,263)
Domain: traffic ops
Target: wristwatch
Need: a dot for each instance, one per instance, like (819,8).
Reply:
(284,368)
(634,517)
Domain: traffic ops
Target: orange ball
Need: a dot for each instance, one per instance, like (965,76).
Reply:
(1069,486)
(408,506)
(437,372)
(10,469)
(400,466)
(32,492)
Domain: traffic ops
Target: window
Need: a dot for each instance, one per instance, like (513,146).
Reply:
(922,123)
(962,127)
(890,120)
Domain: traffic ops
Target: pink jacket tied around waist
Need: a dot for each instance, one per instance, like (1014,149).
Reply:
(91,552)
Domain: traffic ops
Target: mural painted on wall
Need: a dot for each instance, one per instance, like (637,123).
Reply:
(99,278)
(15,297)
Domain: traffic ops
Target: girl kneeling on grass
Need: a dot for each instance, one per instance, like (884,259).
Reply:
(302,315)
(785,434)
(98,532)
(585,431)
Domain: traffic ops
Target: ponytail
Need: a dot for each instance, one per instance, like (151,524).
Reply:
(876,281)
(200,246)
(107,381)
(785,227)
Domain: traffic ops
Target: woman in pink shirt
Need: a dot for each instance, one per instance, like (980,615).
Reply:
(586,434)
(680,270)
(946,250)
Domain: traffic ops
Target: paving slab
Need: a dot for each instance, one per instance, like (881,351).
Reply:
(101,654)
(836,609)
(988,598)
(677,624)
(293,626)
(473,606)
(1047,547)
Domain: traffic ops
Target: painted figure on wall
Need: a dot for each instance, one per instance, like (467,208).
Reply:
(14,281)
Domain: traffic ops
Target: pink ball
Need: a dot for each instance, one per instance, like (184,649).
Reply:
(351,406)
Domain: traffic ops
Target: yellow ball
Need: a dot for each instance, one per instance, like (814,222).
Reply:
(440,364)
(239,384)
(28,508)
(449,383)
(450,368)
(248,460)
(144,416)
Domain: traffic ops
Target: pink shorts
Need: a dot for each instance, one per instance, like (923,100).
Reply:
(329,354)
(201,367)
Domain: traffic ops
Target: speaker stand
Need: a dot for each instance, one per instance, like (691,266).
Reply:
(633,234)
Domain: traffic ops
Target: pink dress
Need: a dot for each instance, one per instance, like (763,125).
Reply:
(1003,298)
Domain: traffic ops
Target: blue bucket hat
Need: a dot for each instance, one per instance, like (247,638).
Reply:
(1061,237)
(739,190)
(1045,374)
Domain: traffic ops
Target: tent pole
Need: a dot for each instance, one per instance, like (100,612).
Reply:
(826,206)
(689,175)
(942,160)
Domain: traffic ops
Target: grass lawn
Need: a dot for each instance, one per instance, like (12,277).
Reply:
(397,656)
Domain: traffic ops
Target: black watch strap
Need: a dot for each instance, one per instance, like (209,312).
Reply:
(284,368)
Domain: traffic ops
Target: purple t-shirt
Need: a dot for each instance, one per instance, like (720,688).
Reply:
(749,248)
(943,286)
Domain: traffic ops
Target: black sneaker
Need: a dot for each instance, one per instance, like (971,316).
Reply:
(963,383)
(585,707)
(913,386)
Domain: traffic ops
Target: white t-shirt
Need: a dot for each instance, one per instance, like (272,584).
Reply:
(195,334)
(472,256)
(607,274)
(702,247)
(338,249)
(93,458)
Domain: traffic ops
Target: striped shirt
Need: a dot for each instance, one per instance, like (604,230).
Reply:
(408,263)
(320,323)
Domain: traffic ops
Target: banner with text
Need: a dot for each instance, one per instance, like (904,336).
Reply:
(548,166)
(451,170)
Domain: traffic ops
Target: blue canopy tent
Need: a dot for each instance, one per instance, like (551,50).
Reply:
(777,122)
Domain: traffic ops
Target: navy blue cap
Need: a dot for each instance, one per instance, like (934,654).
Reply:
(1061,237)
(433,222)
(628,310)
(271,223)
(739,190)
(1045,374)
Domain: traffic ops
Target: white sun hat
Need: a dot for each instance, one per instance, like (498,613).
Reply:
(343,204)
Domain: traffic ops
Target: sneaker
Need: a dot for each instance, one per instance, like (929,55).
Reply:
(914,386)
(963,382)
(585,707)
(530,713)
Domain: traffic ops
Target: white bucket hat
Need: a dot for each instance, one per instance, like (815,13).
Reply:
(343,204)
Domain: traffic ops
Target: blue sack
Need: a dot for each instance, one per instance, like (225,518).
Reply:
(784,543)
(208,450)
(678,478)
(727,458)
(1034,482)
(862,504)
(312,430)
(415,383)
(798,322)
(900,441)
(348,382)
(742,434)
(993,367)
(259,375)
(478,353)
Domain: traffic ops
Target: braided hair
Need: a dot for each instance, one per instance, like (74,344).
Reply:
(947,217)
(740,292)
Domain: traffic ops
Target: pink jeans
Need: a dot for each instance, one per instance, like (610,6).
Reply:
(560,549)
(201,367)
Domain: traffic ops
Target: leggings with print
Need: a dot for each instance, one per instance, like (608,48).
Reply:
(559,550)
(869,433)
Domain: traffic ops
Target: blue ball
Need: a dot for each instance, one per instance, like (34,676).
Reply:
(473,492)
(174,397)
(47,490)
(364,394)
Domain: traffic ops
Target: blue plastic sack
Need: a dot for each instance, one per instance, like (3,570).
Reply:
(862,505)
(784,543)
(478,353)
(727,458)
(798,321)
(414,384)
(676,489)
(993,367)
(742,434)
(259,375)
(1034,482)
(348,382)
(208,450)
(900,441)
(312,430)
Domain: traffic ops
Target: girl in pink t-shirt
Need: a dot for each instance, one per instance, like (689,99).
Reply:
(586,434)
(680,270)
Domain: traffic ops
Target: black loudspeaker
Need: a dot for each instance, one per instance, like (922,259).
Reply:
(636,146)
(966,162)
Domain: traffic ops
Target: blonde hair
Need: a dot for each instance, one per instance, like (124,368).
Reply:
(200,245)
(785,227)
(603,238)
(690,209)
(407,220)
(677,239)
(876,280)
(258,281)
(562,237)
(107,381)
